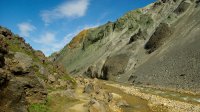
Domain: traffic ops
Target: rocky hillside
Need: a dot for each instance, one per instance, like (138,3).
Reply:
(26,75)
(157,45)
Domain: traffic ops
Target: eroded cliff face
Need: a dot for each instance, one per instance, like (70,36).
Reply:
(156,45)
(26,74)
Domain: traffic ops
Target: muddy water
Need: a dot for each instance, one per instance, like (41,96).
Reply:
(194,99)
(136,104)
(184,97)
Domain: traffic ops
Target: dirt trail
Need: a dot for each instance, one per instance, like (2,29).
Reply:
(69,101)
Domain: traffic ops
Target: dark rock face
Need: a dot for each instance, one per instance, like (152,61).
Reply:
(114,66)
(91,72)
(182,8)
(156,40)
(3,77)
(2,60)
(132,78)
(21,91)
(197,3)
(3,51)
(19,87)
(136,36)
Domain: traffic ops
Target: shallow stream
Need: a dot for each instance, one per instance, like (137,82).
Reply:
(139,105)
(136,104)
(194,99)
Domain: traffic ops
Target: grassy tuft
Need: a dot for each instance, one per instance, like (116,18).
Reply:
(38,108)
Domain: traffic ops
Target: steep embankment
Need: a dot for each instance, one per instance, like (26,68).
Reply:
(26,75)
(155,46)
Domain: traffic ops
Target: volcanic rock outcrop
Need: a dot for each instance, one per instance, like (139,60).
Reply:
(24,74)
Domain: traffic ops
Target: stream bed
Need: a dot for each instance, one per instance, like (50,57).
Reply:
(194,99)
(136,104)
(142,105)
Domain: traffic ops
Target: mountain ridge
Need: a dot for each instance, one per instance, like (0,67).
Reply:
(119,50)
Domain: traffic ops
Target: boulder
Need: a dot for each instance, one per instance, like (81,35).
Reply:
(115,96)
(51,78)
(162,32)
(88,88)
(114,66)
(21,64)
(20,91)
(96,106)
(122,103)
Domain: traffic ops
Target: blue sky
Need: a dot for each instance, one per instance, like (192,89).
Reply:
(48,25)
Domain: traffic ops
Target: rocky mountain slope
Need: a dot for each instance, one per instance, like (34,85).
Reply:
(26,75)
(157,46)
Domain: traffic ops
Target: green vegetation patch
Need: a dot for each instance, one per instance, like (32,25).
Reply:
(68,78)
(41,107)
(38,108)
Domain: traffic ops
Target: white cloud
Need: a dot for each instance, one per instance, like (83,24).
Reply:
(46,39)
(50,44)
(26,28)
(69,9)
